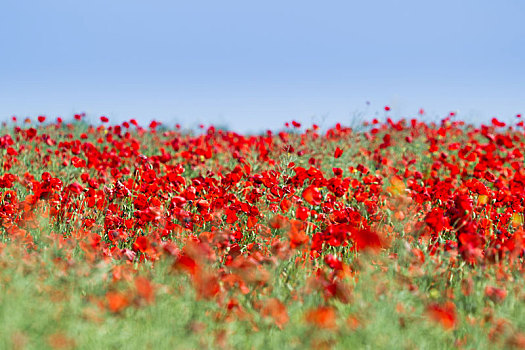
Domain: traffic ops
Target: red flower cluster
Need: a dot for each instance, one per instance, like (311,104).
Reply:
(226,207)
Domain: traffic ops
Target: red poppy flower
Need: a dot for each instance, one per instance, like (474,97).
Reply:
(312,195)
(322,317)
(444,314)
(141,244)
(338,153)
(276,310)
(497,295)
(117,301)
(145,289)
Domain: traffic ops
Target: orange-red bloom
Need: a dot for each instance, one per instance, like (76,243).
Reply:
(445,314)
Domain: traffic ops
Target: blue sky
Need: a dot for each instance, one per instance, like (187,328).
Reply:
(255,64)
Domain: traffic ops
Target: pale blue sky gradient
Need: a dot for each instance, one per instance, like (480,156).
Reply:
(256,64)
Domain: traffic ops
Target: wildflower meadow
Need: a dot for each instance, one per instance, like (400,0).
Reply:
(392,234)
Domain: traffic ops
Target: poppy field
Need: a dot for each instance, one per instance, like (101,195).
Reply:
(395,234)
